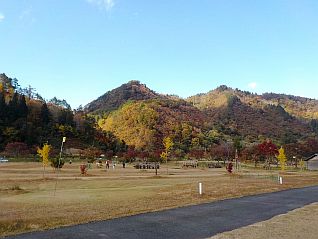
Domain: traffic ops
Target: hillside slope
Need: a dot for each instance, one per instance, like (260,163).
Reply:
(111,100)
(145,117)
(300,107)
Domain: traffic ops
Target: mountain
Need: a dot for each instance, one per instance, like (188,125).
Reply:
(300,107)
(285,118)
(271,121)
(141,117)
(133,90)
(137,116)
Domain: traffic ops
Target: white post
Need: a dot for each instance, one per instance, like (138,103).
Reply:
(58,167)
(280,180)
(200,188)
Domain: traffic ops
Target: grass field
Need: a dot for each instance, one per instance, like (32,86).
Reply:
(299,223)
(27,201)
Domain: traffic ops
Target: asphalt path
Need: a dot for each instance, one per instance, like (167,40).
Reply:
(191,222)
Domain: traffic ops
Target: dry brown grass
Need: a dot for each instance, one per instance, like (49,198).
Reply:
(27,201)
(299,223)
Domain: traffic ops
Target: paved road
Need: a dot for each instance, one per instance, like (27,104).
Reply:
(200,221)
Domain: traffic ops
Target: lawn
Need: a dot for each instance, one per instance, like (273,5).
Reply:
(27,200)
(299,223)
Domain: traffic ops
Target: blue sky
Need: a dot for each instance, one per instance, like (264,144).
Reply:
(79,49)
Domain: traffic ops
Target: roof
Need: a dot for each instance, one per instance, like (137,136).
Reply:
(311,157)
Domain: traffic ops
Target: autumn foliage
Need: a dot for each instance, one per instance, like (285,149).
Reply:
(282,158)
(132,121)
(268,149)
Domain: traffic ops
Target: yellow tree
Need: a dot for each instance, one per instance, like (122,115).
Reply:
(282,158)
(302,165)
(168,144)
(134,122)
(44,154)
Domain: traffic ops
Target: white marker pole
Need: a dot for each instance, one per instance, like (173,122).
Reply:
(58,166)
(280,180)
(200,188)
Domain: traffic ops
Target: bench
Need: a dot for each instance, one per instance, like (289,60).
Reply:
(147,165)
(190,163)
(214,165)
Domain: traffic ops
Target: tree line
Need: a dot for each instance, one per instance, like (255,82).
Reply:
(27,122)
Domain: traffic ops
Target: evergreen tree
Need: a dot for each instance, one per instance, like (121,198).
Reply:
(15,83)
(314,125)
(22,107)
(3,107)
(238,144)
(45,115)
(66,117)
(12,108)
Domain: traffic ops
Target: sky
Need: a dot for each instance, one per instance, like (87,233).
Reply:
(79,49)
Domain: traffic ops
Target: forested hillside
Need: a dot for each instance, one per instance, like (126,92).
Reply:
(210,120)
(111,100)
(296,106)
(27,121)
(145,123)
(134,118)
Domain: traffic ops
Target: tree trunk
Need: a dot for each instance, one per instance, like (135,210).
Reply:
(156,168)
(167,165)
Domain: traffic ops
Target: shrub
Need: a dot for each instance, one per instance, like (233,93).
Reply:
(55,163)
(229,167)
(83,168)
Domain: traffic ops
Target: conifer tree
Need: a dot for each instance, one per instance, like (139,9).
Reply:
(3,107)
(12,108)
(22,107)
(45,115)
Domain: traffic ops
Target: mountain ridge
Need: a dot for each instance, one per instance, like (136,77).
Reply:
(133,115)
(301,107)
(226,111)
(132,90)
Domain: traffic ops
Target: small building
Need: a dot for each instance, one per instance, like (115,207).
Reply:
(73,152)
(312,162)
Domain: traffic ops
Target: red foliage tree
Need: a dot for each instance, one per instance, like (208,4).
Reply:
(218,152)
(144,155)
(196,153)
(268,150)
(251,153)
(16,149)
(310,147)
(92,152)
(109,154)
(155,155)
(130,155)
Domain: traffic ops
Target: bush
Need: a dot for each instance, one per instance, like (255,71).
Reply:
(55,163)
(229,167)
(83,168)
